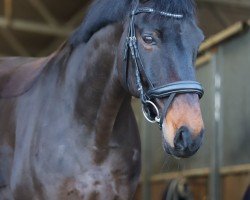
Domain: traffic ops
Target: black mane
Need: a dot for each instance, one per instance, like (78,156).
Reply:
(105,12)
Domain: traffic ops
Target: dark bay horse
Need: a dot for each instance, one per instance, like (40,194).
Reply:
(67,129)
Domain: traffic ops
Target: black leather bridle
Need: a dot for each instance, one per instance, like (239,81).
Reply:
(150,110)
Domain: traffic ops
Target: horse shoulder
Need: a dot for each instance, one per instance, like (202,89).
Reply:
(18,74)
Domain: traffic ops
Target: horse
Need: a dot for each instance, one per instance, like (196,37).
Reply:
(178,189)
(67,128)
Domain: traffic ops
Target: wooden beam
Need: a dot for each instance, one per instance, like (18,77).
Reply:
(186,173)
(71,23)
(14,43)
(238,169)
(221,36)
(201,60)
(238,3)
(248,22)
(39,28)
(2,54)
(224,171)
(76,18)
(44,12)
(8,11)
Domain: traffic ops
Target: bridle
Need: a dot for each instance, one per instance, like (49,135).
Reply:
(150,110)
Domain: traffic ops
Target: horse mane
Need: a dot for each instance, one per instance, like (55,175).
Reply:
(104,12)
(100,14)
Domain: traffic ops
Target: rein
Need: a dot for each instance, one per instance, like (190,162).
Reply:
(150,110)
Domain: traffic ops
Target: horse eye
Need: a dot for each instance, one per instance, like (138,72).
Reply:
(148,39)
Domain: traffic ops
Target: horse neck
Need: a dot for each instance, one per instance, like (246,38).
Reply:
(99,94)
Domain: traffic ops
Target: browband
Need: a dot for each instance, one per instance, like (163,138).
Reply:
(151,10)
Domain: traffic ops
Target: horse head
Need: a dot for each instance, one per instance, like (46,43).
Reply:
(157,54)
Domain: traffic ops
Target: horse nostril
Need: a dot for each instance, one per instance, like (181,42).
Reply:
(182,140)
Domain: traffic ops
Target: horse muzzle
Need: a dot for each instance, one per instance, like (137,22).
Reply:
(184,145)
(183,128)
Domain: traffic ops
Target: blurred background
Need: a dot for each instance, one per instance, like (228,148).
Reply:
(221,168)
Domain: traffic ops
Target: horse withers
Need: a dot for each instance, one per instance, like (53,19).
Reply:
(67,129)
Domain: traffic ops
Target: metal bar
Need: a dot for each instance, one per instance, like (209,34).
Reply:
(217,135)
(146,160)
(44,12)
(14,42)
(39,28)
(238,3)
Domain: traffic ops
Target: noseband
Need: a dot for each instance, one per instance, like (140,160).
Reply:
(150,110)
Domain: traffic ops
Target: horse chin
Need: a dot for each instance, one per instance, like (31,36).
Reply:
(177,153)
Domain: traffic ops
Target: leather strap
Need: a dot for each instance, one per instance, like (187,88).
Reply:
(179,87)
(165,110)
